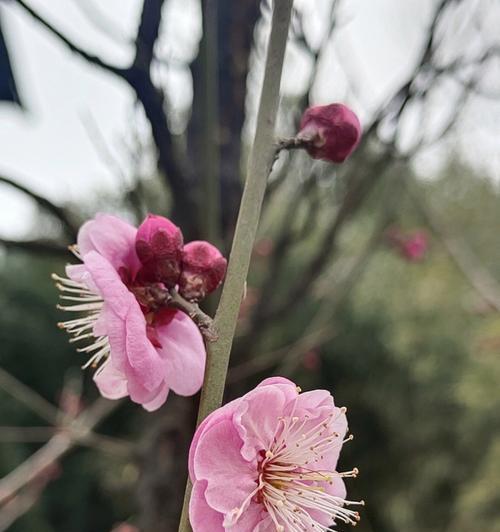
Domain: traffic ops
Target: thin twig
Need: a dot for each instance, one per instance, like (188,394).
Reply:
(45,204)
(204,322)
(69,44)
(29,397)
(55,448)
(106,444)
(43,247)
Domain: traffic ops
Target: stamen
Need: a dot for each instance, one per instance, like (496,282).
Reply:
(290,488)
(90,304)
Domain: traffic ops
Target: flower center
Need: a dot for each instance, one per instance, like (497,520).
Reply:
(294,479)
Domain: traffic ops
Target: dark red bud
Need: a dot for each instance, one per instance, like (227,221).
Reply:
(203,269)
(158,244)
(330,132)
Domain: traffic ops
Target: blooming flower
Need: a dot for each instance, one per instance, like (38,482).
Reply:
(267,462)
(145,348)
(329,132)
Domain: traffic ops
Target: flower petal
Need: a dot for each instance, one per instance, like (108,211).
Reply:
(159,400)
(131,350)
(231,479)
(225,412)
(257,419)
(109,284)
(201,516)
(250,518)
(112,383)
(183,353)
(112,238)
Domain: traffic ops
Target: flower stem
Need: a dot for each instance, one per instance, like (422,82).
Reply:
(259,165)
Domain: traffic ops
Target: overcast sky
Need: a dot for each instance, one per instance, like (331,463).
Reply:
(47,146)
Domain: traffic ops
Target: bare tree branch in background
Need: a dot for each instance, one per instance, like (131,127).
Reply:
(58,212)
(55,449)
(91,58)
(138,76)
(43,247)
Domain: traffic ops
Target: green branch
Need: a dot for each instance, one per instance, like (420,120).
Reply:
(259,165)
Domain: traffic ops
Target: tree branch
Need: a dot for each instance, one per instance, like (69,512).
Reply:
(45,204)
(93,59)
(29,397)
(259,166)
(55,448)
(36,246)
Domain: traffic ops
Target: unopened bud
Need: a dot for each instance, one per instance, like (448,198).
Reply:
(329,132)
(158,245)
(203,269)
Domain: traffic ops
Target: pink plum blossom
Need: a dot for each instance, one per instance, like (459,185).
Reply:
(329,132)
(142,348)
(267,462)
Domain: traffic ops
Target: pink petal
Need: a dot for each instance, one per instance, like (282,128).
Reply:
(201,516)
(319,405)
(139,393)
(112,238)
(112,383)
(109,284)
(225,412)
(337,489)
(266,525)
(143,358)
(80,274)
(159,400)
(183,353)
(277,380)
(131,350)
(231,479)
(257,419)
(251,518)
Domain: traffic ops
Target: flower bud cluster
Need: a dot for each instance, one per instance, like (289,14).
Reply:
(196,268)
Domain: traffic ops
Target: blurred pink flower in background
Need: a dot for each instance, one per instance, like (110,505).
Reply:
(412,246)
(119,293)
(311,360)
(267,461)
(330,132)
(415,246)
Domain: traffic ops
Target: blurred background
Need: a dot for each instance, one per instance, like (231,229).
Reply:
(378,280)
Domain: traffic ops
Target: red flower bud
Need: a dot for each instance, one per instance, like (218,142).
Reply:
(158,244)
(203,269)
(330,132)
